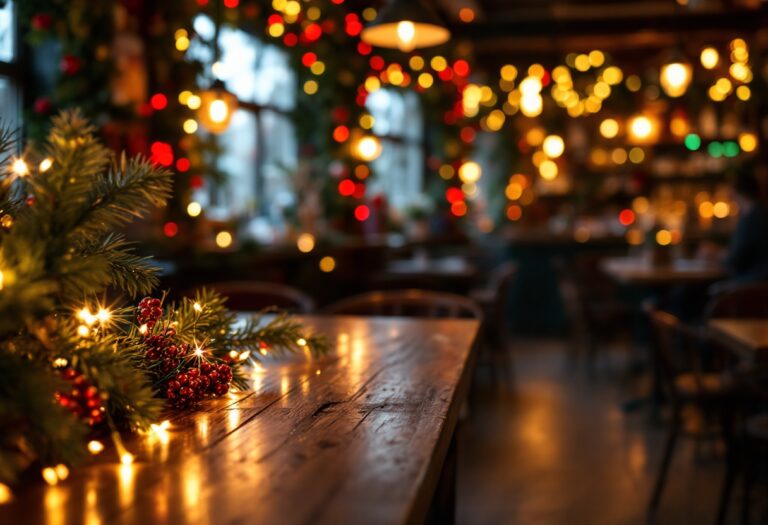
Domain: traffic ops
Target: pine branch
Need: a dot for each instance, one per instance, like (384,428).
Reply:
(129,272)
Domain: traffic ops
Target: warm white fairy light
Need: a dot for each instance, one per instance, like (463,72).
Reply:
(126,458)
(45,165)
(2,279)
(62,472)
(301,341)
(20,168)
(95,447)
(143,329)
(233,354)
(86,316)
(198,351)
(244,355)
(60,362)
(160,432)
(49,475)
(103,315)
(83,331)
(198,307)
(5,494)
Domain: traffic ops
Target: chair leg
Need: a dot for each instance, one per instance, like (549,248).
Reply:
(666,460)
(725,495)
(748,479)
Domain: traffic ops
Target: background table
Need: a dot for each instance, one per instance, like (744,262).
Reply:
(358,436)
(640,272)
(747,338)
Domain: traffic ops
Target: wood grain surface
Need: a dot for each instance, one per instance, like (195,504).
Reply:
(358,436)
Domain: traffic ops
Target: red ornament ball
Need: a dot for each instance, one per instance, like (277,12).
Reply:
(43,106)
(41,21)
(70,65)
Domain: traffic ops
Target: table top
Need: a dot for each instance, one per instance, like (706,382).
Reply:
(438,267)
(639,271)
(357,436)
(746,337)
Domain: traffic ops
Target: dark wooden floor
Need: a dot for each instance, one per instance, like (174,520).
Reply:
(556,448)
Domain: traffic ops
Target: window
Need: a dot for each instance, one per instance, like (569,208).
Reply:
(400,167)
(259,150)
(9,101)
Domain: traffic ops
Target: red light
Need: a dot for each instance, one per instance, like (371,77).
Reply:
(162,153)
(202,2)
(231,3)
(359,190)
(313,31)
(467,134)
(182,165)
(450,118)
(377,63)
(274,19)
(196,182)
(454,195)
(446,74)
(626,217)
(363,48)
(170,229)
(362,213)
(158,101)
(308,58)
(346,188)
(341,133)
(337,2)
(461,68)
(290,40)
(459,208)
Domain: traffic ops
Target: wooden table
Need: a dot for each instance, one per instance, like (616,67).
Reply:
(747,338)
(358,436)
(640,272)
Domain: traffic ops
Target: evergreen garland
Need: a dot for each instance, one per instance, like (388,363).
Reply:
(70,365)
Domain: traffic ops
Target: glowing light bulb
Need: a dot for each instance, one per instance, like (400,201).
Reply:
(224,239)
(553,146)
(305,243)
(194,209)
(609,128)
(368,148)
(218,111)
(126,458)
(709,57)
(470,172)
(2,280)
(197,307)
(20,168)
(95,447)
(406,32)
(103,315)
(45,165)
(641,128)
(49,475)
(675,78)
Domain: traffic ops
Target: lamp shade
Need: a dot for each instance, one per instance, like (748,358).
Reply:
(216,108)
(406,25)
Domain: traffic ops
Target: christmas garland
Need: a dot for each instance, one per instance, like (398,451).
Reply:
(74,367)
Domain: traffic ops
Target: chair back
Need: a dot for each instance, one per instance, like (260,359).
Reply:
(408,303)
(251,296)
(744,301)
(676,350)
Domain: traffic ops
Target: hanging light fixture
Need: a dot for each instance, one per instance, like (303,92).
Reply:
(406,25)
(675,77)
(216,103)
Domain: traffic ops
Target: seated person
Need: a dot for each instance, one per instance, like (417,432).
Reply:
(747,256)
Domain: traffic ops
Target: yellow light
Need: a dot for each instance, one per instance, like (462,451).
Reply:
(2,280)
(327,264)
(743,93)
(553,146)
(715,94)
(416,63)
(535,136)
(582,63)
(748,142)
(194,102)
(216,109)
(95,447)
(217,68)
(305,242)
(371,84)
(426,80)
(509,72)
(223,239)
(49,475)
(317,68)
(635,237)
(470,172)
(663,237)
(103,315)
(609,128)
(679,126)
(642,129)
(197,307)
(530,86)
(369,14)
(199,351)
(143,329)
(619,156)
(368,148)
(531,105)
(126,458)
(709,57)
(721,210)
(310,87)
(83,330)
(548,170)
(634,83)
(495,120)
(276,30)
(190,126)
(313,13)
(513,191)
(292,8)
(706,210)
(86,316)
(194,209)
(438,63)
(6,496)
(641,205)
(613,75)
(724,86)
(182,43)
(446,171)
(62,472)
(675,78)
(184,97)
(20,168)
(45,165)
(596,58)
(180,33)
(636,155)
(406,31)
(739,71)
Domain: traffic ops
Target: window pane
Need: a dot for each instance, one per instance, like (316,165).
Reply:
(279,163)
(7,33)
(9,113)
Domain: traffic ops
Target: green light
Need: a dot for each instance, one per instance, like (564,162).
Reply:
(715,149)
(731,149)
(692,141)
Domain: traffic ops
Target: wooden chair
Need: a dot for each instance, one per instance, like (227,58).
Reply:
(492,298)
(685,381)
(251,296)
(407,303)
(743,301)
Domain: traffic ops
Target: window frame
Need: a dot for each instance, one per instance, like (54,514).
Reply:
(12,70)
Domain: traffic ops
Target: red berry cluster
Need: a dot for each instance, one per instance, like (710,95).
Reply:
(162,346)
(188,388)
(150,311)
(83,400)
